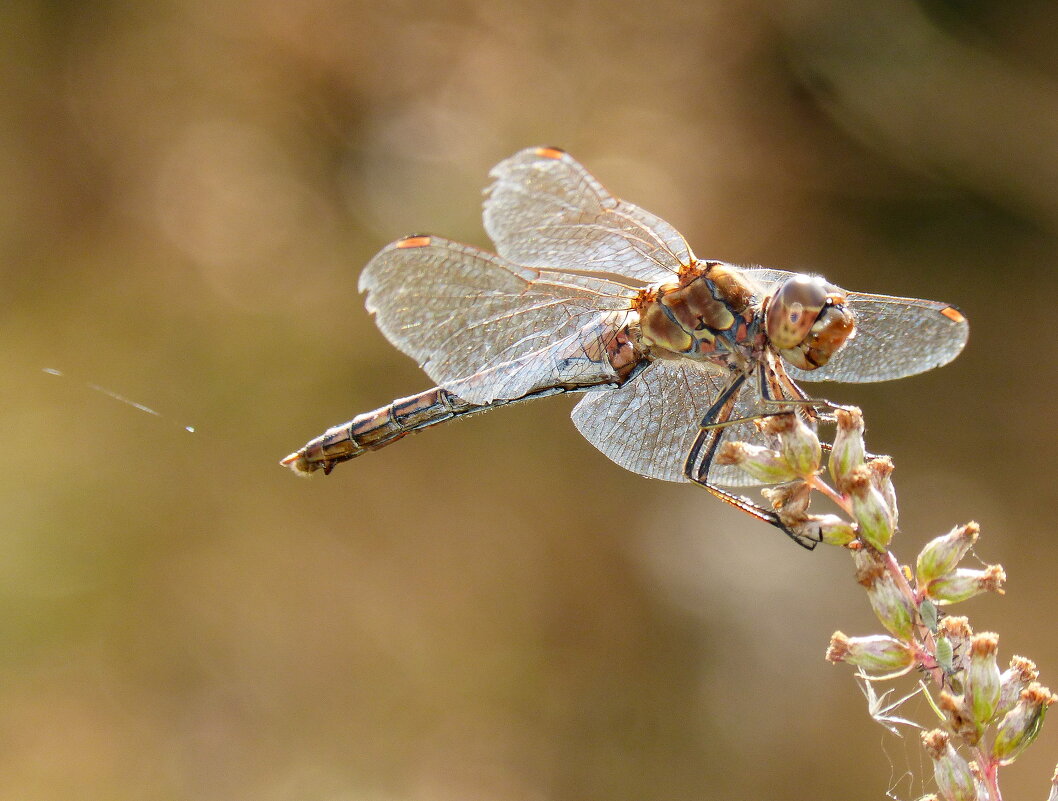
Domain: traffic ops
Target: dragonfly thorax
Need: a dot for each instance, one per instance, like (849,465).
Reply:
(706,316)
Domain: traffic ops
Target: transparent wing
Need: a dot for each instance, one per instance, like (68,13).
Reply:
(648,424)
(895,337)
(766,278)
(544,209)
(460,311)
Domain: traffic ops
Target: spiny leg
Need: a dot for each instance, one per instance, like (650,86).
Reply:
(716,419)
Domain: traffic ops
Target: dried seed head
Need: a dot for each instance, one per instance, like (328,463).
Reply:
(892,607)
(876,654)
(957,711)
(943,554)
(982,677)
(951,772)
(1021,725)
(848,451)
(870,509)
(963,583)
(1013,680)
(956,628)
(798,443)
(791,498)
(764,464)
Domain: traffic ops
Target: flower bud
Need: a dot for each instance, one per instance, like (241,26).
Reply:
(951,772)
(848,451)
(870,509)
(881,468)
(963,583)
(1053,794)
(763,464)
(1013,680)
(798,443)
(942,554)
(877,653)
(888,602)
(1020,726)
(982,677)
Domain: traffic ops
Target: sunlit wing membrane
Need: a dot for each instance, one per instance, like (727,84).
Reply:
(895,337)
(648,424)
(459,311)
(766,278)
(545,210)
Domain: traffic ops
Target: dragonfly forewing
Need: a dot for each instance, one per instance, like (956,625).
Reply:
(459,311)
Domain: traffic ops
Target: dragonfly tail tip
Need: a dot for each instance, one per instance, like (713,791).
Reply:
(298,463)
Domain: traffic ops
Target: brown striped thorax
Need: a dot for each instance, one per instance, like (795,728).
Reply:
(710,309)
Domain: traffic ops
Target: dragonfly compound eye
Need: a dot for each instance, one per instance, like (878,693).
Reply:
(807,321)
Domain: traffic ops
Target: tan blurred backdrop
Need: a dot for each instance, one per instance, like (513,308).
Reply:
(491,610)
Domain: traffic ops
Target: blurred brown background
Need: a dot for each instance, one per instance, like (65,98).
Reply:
(490,610)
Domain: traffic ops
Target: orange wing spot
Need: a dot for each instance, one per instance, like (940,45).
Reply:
(550,152)
(414,242)
(953,314)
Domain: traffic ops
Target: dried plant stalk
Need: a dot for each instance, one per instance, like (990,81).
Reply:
(985,717)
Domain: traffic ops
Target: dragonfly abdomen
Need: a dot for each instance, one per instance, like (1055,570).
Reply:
(376,429)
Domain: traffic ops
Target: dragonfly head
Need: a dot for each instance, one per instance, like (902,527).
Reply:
(807,321)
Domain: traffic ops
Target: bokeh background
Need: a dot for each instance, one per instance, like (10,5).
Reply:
(489,610)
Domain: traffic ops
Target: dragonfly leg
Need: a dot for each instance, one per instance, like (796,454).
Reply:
(703,450)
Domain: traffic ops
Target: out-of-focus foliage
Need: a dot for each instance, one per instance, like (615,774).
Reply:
(493,610)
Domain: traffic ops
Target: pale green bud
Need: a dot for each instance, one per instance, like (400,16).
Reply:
(955,781)
(764,464)
(982,677)
(881,468)
(798,443)
(1013,680)
(828,529)
(943,554)
(889,603)
(848,451)
(869,508)
(877,654)
(963,583)
(1021,725)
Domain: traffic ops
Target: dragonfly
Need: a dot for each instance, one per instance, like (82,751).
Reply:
(589,294)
